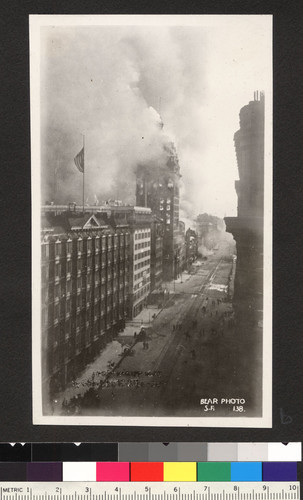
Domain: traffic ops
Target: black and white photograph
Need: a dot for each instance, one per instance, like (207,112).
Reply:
(151,157)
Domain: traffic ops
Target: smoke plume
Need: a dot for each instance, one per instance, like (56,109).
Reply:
(108,83)
(114,84)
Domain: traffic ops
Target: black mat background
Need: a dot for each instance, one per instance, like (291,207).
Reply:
(15,236)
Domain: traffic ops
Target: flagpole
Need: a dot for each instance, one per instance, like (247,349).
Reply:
(83,169)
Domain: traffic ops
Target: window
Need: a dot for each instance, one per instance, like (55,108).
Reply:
(56,312)
(80,245)
(58,248)
(44,274)
(57,270)
(68,306)
(45,250)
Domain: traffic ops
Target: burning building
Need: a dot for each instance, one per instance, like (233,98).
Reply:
(158,189)
(247,227)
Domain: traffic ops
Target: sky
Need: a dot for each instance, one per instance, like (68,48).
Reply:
(112,81)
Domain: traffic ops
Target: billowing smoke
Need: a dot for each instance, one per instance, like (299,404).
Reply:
(205,252)
(108,84)
(111,83)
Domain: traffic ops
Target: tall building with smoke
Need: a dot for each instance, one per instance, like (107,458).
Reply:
(247,227)
(158,188)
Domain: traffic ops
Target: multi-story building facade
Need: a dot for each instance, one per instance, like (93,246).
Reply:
(139,220)
(158,188)
(180,262)
(140,269)
(247,227)
(85,287)
(156,270)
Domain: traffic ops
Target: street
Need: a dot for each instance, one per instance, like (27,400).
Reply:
(192,351)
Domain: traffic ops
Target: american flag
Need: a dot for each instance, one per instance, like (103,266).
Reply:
(79,161)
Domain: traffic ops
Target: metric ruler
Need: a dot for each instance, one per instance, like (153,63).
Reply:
(150,491)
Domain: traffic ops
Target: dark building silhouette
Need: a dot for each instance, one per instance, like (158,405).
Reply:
(158,189)
(247,227)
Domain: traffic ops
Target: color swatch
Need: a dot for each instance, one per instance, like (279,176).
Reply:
(213,471)
(246,471)
(79,471)
(113,471)
(279,471)
(180,471)
(148,471)
(43,471)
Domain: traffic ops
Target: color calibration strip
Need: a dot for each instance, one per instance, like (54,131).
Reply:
(148,471)
(150,452)
(210,452)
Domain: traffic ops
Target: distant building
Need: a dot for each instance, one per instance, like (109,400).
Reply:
(191,247)
(181,246)
(208,229)
(158,189)
(85,288)
(247,227)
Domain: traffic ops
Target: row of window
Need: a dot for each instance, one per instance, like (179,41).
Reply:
(142,274)
(144,244)
(58,271)
(60,311)
(83,287)
(144,263)
(107,242)
(145,234)
(142,254)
